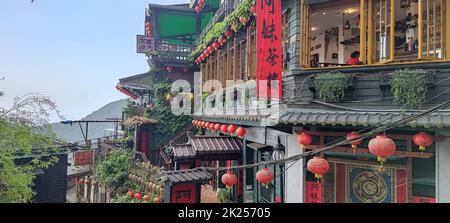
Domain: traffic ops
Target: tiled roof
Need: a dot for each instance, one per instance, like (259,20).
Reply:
(183,176)
(184,151)
(216,144)
(350,118)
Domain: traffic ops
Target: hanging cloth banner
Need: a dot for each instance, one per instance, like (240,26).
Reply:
(268,43)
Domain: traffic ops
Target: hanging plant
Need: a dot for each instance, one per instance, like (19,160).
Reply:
(409,88)
(331,86)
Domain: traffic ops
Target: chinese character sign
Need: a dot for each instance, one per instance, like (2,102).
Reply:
(313,192)
(183,193)
(84,158)
(145,44)
(268,43)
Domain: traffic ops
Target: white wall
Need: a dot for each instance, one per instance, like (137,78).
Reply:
(443,169)
(294,185)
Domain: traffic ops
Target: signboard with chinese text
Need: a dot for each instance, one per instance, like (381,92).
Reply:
(183,193)
(313,192)
(145,44)
(417,199)
(83,158)
(268,43)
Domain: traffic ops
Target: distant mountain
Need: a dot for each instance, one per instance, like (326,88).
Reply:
(96,130)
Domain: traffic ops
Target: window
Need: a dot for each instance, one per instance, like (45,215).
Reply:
(365,32)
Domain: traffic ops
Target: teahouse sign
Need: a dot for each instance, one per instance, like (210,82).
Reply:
(268,43)
(145,44)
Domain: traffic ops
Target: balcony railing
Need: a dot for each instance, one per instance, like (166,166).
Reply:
(225,8)
(170,53)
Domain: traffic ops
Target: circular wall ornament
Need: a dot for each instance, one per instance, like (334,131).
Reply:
(370,187)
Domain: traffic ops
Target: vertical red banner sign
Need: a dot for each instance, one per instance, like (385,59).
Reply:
(313,192)
(268,43)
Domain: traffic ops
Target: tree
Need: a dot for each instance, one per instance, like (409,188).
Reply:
(24,128)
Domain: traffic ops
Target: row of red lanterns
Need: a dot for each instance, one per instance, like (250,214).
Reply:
(146,197)
(200,5)
(222,40)
(128,93)
(381,146)
(263,176)
(224,128)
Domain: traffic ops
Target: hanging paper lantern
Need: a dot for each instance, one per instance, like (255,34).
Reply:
(147,197)
(216,45)
(157,200)
(304,140)
(222,40)
(210,49)
(211,126)
(264,176)
(351,136)
(232,129)
(201,2)
(169,69)
(382,147)
(193,122)
(224,128)
(243,20)
(217,127)
(229,180)
(318,166)
(130,194)
(229,34)
(138,196)
(423,140)
(206,125)
(241,132)
(198,8)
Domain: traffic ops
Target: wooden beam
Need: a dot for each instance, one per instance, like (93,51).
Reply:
(392,40)
(235,61)
(370,32)
(392,136)
(365,151)
(447,29)
(362,29)
(420,29)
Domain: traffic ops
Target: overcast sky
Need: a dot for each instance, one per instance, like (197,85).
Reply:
(72,51)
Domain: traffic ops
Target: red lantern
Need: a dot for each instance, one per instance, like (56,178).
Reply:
(224,128)
(304,140)
(351,136)
(138,196)
(211,126)
(130,194)
(147,197)
(229,34)
(169,68)
(206,125)
(198,8)
(222,40)
(217,127)
(264,176)
(157,200)
(382,147)
(232,129)
(201,124)
(229,180)
(423,140)
(243,20)
(318,166)
(201,2)
(210,49)
(241,132)
(216,45)
(193,122)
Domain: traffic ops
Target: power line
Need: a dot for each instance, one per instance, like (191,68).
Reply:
(375,131)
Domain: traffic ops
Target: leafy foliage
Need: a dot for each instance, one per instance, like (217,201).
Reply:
(224,196)
(169,124)
(409,88)
(331,86)
(219,28)
(113,171)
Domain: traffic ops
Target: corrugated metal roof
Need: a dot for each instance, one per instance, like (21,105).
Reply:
(349,118)
(216,144)
(184,151)
(183,176)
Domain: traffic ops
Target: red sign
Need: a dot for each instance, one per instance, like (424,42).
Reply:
(417,199)
(183,193)
(84,158)
(313,192)
(268,43)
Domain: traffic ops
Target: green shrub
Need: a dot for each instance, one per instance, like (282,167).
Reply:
(409,88)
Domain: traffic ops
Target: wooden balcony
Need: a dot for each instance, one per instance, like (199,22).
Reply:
(170,54)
